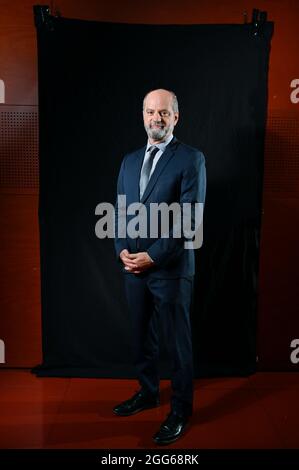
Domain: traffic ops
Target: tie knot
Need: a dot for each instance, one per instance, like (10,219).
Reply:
(153,150)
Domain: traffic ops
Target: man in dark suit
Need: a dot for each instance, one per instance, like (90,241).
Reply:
(159,270)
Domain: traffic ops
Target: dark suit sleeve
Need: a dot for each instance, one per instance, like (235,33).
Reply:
(193,189)
(119,243)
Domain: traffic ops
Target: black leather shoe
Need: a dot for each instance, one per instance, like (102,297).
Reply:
(137,403)
(171,429)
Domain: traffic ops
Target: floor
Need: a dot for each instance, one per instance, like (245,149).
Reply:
(261,411)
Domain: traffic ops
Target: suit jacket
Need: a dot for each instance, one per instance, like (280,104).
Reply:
(179,176)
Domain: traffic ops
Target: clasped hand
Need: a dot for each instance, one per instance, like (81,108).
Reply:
(136,262)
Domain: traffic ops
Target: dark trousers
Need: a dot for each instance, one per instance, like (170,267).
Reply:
(166,303)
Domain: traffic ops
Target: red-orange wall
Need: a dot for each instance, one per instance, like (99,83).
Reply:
(278,324)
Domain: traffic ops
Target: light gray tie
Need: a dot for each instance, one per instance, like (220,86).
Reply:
(146,169)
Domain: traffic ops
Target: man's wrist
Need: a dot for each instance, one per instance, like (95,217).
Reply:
(151,259)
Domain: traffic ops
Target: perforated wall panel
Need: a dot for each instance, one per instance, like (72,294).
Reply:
(282,155)
(19,147)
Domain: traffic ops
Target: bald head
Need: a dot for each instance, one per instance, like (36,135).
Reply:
(160,114)
(162,94)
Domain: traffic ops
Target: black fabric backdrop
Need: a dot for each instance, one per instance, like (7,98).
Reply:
(92,79)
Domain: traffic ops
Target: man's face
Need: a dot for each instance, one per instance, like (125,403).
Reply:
(158,116)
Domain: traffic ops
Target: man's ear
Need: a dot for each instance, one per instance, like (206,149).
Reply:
(176,116)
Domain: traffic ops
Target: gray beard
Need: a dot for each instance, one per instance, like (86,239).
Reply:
(157,134)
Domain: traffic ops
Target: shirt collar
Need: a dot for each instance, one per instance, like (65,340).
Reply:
(161,145)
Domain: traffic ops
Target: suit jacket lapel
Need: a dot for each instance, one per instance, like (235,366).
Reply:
(136,173)
(162,162)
